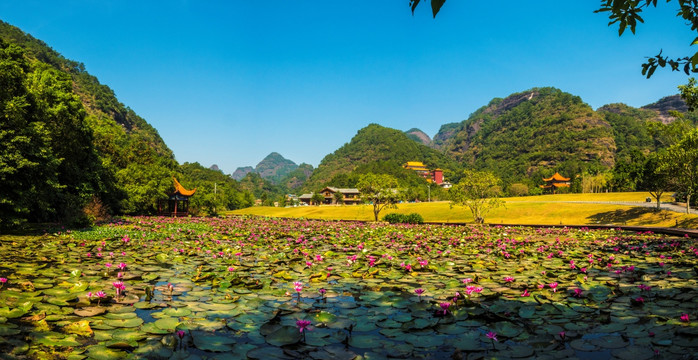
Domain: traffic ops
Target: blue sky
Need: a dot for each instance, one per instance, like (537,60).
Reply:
(228,82)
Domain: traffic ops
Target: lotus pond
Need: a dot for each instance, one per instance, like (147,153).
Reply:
(238,288)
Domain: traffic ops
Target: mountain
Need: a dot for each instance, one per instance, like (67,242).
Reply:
(665,105)
(78,152)
(376,147)
(240,172)
(446,132)
(274,167)
(418,136)
(531,133)
(296,178)
(94,151)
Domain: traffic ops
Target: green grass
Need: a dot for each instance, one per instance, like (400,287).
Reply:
(545,209)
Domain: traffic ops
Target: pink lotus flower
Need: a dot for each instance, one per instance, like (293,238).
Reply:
(3,280)
(508,279)
(553,286)
(445,306)
(685,318)
(578,293)
(180,333)
(492,335)
(525,293)
(303,325)
(562,335)
(122,266)
(108,265)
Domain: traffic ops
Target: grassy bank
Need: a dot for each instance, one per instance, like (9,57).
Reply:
(545,209)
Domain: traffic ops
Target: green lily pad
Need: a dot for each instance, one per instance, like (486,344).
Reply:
(177,312)
(81,328)
(284,335)
(215,343)
(365,341)
(100,352)
(167,323)
(124,323)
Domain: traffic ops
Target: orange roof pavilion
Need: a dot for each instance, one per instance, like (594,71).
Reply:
(179,189)
(556,177)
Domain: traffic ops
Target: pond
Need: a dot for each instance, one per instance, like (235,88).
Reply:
(259,288)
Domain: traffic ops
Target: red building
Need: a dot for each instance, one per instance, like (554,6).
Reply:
(435,176)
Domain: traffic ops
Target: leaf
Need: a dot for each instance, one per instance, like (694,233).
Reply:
(413,4)
(81,328)
(436,6)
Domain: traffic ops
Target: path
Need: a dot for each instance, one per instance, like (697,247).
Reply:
(663,206)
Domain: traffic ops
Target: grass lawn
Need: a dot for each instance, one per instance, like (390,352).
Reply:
(544,209)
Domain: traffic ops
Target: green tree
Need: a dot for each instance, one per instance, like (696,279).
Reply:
(653,180)
(317,198)
(626,13)
(680,162)
(477,190)
(338,198)
(380,190)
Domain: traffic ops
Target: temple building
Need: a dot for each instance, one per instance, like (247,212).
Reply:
(177,203)
(555,182)
(435,176)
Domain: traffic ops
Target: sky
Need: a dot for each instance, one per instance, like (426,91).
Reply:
(227,82)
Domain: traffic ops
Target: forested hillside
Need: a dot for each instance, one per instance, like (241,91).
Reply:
(70,148)
(530,134)
(380,150)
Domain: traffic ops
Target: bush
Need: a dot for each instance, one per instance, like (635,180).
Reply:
(412,218)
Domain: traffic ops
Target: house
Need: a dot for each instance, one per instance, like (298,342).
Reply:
(306,198)
(349,196)
(435,176)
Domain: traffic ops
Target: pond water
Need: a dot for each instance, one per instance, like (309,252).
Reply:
(243,287)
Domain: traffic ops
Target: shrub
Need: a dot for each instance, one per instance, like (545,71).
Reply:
(412,218)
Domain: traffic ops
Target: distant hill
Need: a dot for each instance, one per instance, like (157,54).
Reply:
(419,136)
(665,105)
(273,167)
(531,133)
(296,178)
(376,144)
(240,172)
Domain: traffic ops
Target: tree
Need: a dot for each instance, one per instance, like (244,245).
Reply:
(626,13)
(338,198)
(477,190)
(680,162)
(653,180)
(435,5)
(379,190)
(317,199)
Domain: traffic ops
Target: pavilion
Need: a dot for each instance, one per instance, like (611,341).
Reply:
(555,182)
(177,202)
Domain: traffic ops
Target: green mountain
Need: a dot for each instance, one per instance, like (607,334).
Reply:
(376,149)
(419,136)
(274,167)
(530,134)
(72,149)
(296,178)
